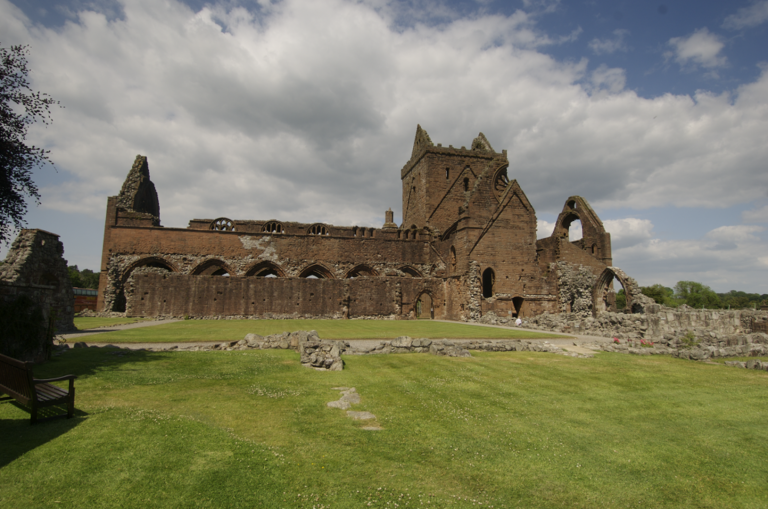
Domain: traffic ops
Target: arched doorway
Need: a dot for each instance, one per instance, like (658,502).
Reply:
(489,278)
(603,293)
(424,307)
(118,303)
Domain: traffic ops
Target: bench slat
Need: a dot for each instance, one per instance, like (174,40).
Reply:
(46,392)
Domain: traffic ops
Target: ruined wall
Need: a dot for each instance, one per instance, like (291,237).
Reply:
(185,251)
(462,217)
(152,291)
(138,193)
(655,324)
(575,285)
(35,262)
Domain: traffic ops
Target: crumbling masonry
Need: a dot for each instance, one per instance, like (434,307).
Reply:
(467,246)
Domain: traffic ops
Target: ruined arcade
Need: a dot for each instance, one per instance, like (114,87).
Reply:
(467,246)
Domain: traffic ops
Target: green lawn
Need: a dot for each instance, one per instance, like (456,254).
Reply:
(232,330)
(94,322)
(519,429)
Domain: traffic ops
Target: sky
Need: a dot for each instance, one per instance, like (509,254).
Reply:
(306,110)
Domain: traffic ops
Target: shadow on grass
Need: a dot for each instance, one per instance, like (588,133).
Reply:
(84,362)
(20,437)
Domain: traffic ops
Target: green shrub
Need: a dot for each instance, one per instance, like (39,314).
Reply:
(689,340)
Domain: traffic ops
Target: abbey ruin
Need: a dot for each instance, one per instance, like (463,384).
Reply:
(467,246)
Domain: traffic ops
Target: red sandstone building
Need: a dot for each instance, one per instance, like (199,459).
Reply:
(467,246)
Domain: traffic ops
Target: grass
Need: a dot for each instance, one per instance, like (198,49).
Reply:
(94,322)
(232,330)
(517,429)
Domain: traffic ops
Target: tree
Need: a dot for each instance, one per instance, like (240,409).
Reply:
(621,299)
(20,107)
(85,278)
(661,294)
(696,295)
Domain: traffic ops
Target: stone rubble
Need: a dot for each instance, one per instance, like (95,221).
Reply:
(349,397)
(704,347)
(655,324)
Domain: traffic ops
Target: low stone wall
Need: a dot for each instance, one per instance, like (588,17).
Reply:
(656,323)
(698,348)
(309,342)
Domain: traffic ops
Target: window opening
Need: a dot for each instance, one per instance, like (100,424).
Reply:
(318,229)
(466,184)
(489,278)
(222,224)
(273,227)
(518,303)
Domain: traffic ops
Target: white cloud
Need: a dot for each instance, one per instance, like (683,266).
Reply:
(628,232)
(700,48)
(726,258)
(610,79)
(748,17)
(759,215)
(610,45)
(544,229)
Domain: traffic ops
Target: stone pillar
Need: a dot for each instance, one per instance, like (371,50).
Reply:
(389,219)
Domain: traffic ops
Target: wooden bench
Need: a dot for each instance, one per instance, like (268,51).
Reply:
(17,381)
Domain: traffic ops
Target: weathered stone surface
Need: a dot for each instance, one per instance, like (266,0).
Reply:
(656,324)
(320,354)
(360,416)
(35,266)
(402,342)
(447,349)
(339,404)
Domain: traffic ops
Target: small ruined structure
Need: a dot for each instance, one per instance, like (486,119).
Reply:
(34,267)
(466,247)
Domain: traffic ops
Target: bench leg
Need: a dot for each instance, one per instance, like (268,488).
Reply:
(71,403)
(33,415)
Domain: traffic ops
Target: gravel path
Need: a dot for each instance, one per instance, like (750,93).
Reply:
(112,328)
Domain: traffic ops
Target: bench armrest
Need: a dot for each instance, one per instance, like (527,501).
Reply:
(59,379)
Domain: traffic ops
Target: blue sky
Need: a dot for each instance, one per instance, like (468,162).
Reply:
(655,112)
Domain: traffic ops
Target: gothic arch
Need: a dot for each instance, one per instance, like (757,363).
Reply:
(361,270)
(564,223)
(318,229)
(151,261)
(118,302)
(273,226)
(212,267)
(318,270)
(602,286)
(410,271)
(265,269)
(423,306)
(222,224)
